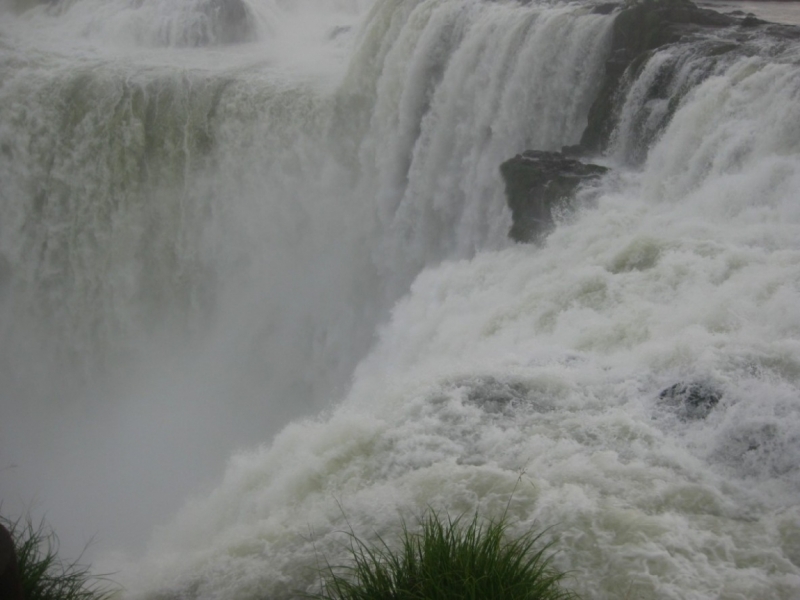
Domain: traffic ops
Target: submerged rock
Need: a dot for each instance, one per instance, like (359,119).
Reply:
(537,184)
(10,582)
(691,401)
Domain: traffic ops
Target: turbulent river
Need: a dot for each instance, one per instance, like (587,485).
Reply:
(274,277)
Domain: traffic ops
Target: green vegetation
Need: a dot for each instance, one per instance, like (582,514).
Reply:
(448,559)
(44,575)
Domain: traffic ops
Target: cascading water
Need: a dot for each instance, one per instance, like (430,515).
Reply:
(167,219)
(199,243)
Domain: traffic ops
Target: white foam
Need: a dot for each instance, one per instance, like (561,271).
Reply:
(520,378)
(538,371)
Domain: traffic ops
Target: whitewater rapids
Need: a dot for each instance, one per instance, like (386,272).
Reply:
(203,244)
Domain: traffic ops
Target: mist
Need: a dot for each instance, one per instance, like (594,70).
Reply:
(127,384)
(257,289)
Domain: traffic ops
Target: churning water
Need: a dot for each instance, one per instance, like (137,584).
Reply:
(201,242)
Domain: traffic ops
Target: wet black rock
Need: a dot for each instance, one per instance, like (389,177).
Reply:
(538,184)
(639,28)
(10,582)
(691,401)
(643,27)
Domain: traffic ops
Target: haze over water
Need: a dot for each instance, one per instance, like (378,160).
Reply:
(254,294)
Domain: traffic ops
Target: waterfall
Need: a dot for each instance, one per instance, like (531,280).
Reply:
(288,227)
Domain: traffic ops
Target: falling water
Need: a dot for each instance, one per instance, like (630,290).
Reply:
(299,240)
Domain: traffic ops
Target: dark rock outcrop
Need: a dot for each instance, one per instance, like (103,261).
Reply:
(690,401)
(642,27)
(639,29)
(702,43)
(537,184)
(10,582)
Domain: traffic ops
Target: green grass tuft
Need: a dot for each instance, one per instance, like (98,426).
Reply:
(44,575)
(448,559)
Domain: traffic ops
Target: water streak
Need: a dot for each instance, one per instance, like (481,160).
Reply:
(202,244)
